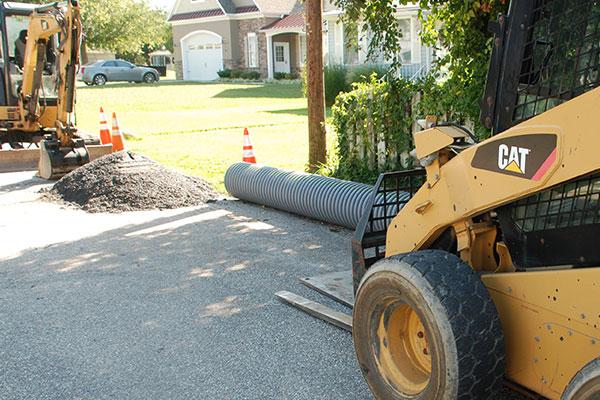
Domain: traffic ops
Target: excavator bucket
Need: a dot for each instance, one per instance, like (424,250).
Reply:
(16,160)
(55,161)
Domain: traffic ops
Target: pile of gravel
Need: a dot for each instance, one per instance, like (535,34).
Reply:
(125,181)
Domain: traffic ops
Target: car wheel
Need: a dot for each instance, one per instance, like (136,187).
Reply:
(100,80)
(149,77)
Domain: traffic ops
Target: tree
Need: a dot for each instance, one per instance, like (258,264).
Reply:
(123,26)
(458,27)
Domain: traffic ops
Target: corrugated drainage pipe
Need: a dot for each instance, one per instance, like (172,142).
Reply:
(326,199)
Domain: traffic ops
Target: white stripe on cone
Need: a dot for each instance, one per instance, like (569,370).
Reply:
(247,150)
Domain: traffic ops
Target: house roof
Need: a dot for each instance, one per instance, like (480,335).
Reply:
(197,14)
(246,9)
(231,9)
(294,21)
(275,6)
(227,6)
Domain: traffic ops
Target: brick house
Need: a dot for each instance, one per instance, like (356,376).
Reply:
(268,36)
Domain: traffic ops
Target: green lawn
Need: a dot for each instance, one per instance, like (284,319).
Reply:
(198,128)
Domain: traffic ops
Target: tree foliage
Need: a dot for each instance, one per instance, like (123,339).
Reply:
(457,29)
(123,26)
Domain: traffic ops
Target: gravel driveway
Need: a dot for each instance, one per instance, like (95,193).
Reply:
(165,304)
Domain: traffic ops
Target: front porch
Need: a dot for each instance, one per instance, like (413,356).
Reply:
(286,46)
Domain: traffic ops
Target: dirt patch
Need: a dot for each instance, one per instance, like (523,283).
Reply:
(125,181)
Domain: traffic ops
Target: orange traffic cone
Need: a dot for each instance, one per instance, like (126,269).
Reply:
(248,152)
(118,141)
(104,132)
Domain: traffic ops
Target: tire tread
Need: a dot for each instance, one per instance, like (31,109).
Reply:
(473,317)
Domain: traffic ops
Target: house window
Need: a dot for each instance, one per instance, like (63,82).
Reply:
(252,50)
(406,41)
(410,52)
(279,54)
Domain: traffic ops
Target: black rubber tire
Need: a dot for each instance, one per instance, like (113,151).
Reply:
(464,333)
(149,78)
(585,385)
(100,80)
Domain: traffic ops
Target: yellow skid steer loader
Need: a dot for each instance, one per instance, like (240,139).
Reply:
(489,270)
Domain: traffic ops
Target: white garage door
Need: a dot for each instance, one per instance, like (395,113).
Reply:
(203,55)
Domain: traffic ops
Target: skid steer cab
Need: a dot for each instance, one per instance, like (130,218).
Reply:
(40,57)
(486,272)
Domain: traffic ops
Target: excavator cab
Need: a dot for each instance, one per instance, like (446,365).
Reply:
(39,61)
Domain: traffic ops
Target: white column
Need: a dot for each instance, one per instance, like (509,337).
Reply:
(269,56)
(339,38)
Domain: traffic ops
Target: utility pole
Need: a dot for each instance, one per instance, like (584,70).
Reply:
(317,146)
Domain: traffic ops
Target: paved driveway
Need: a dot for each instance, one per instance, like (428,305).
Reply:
(172,304)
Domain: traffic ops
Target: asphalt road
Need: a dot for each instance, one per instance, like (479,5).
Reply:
(165,304)
(175,304)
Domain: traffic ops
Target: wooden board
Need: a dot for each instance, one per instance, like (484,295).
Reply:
(337,285)
(339,319)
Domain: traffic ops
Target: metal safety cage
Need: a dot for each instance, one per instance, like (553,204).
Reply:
(557,226)
(545,52)
(391,192)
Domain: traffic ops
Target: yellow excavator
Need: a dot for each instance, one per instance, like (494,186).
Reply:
(40,60)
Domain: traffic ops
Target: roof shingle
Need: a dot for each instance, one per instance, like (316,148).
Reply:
(197,14)
(246,9)
(293,21)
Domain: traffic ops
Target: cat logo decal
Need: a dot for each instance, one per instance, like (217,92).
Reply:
(512,158)
(525,156)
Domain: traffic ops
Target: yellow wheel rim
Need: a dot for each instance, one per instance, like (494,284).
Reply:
(403,354)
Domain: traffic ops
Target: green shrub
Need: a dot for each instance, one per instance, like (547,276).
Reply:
(224,73)
(339,78)
(335,82)
(373,113)
(236,74)
(362,73)
(284,75)
(250,75)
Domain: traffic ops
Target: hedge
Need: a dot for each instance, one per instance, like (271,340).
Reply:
(373,123)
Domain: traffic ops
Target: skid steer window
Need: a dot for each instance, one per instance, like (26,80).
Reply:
(569,205)
(561,56)
(535,228)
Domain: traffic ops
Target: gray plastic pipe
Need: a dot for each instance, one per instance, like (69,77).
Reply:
(326,199)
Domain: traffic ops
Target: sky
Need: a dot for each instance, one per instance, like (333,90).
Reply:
(164,4)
